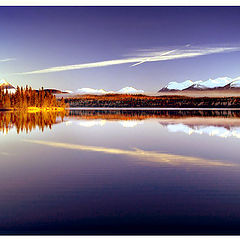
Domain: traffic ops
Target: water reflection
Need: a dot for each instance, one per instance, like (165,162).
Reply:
(141,114)
(218,131)
(222,123)
(90,173)
(150,156)
(26,122)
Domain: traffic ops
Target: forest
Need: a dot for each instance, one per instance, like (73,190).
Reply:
(144,101)
(25,98)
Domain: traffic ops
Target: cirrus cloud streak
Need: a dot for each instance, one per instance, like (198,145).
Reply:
(143,57)
(7,59)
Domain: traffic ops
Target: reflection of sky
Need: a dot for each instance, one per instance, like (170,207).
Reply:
(73,173)
(150,156)
(142,139)
(211,130)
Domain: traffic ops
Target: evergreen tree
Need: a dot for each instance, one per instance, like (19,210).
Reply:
(26,97)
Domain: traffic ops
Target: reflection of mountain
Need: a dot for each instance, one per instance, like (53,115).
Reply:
(91,123)
(208,121)
(215,123)
(130,123)
(219,126)
(101,123)
(209,130)
(24,121)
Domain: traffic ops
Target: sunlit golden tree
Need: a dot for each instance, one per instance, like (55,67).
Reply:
(26,97)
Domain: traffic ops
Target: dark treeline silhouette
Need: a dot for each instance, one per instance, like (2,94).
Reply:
(26,97)
(24,121)
(141,101)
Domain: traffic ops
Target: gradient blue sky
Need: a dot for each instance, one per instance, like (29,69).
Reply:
(44,37)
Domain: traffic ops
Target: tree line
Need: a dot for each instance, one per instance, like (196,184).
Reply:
(27,97)
(142,101)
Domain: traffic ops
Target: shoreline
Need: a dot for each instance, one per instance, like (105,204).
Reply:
(45,109)
(150,109)
(59,109)
(34,109)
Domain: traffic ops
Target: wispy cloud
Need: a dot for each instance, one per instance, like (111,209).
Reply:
(7,59)
(149,156)
(142,57)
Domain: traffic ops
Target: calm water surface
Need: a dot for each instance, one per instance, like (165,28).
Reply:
(120,172)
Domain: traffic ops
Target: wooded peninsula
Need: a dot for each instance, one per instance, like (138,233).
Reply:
(31,100)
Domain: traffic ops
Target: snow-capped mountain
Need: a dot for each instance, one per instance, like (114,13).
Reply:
(125,90)
(236,83)
(178,86)
(130,90)
(7,86)
(214,83)
(218,83)
(91,91)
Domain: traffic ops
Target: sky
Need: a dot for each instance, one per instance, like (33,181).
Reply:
(114,47)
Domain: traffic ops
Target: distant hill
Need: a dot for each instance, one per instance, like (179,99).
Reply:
(55,91)
(11,89)
(6,86)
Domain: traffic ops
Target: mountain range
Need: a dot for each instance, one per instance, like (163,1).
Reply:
(222,83)
(125,90)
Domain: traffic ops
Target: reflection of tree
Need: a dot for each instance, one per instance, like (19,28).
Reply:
(145,114)
(25,121)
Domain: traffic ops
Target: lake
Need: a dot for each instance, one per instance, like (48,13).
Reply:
(120,171)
